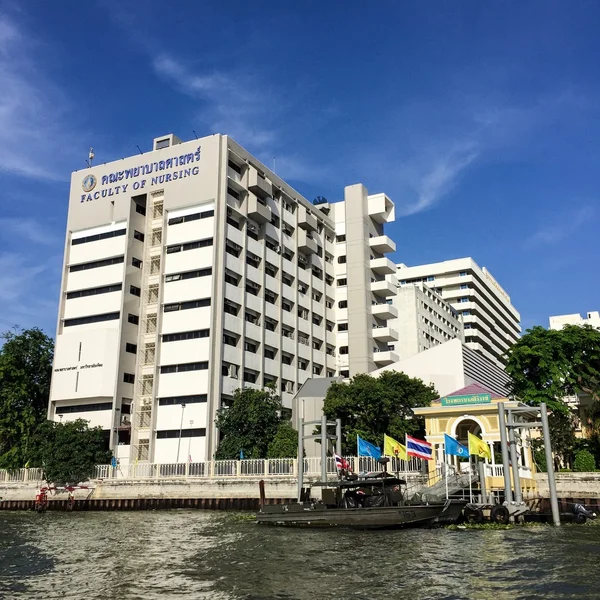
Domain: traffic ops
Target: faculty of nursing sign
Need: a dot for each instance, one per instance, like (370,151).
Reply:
(178,167)
(467,399)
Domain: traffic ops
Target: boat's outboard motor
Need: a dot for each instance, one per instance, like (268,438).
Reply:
(582,513)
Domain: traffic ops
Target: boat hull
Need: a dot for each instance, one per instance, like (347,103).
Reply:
(385,517)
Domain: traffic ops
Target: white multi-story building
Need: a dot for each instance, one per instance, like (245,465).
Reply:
(424,320)
(193,270)
(491,323)
(559,321)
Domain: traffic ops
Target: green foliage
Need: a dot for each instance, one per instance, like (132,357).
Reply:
(68,452)
(249,424)
(584,462)
(25,372)
(371,406)
(539,457)
(285,442)
(547,365)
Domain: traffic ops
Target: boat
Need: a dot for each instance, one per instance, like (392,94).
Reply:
(370,501)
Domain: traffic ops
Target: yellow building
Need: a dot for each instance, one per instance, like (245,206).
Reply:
(474,409)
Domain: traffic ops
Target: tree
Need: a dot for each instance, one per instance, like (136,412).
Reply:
(249,424)
(68,452)
(546,365)
(25,372)
(372,406)
(285,442)
(584,462)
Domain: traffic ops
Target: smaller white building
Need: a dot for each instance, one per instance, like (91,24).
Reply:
(424,320)
(591,318)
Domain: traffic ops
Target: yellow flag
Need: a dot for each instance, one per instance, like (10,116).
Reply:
(393,448)
(479,447)
(27,465)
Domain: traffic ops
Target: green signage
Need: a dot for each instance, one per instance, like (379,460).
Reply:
(468,399)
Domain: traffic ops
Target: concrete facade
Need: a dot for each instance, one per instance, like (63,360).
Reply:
(591,318)
(424,320)
(491,323)
(193,270)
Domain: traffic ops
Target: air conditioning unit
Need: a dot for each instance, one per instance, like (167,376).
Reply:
(278,249)
(289,387)
(233,371)
(229,212)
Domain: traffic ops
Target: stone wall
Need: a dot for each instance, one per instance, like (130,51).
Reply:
(570,485)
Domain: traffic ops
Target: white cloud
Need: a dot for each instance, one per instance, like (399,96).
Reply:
(563,227)
(33,112)
(230,104)
(25,228)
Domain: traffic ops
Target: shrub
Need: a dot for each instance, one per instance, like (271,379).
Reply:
(584,462)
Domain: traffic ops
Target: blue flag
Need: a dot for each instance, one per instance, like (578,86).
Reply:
(367,449)
(452,447)
(241,455)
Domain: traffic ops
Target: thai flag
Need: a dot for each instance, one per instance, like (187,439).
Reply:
(341,463)
(419,448)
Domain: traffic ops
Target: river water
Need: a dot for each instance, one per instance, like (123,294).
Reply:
(195,554)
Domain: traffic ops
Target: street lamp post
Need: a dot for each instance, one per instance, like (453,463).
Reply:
(190,442)
(180,430)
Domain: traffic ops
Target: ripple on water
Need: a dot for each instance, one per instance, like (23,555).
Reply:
(196,554)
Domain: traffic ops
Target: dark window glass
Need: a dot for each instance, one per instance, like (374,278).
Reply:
(201,215)
(174,433)
(188,275)
(135,290)
(136,262)
(186,305)
(186,335)
(97,236)
(195,399)
(133,319)
(130,348)
(93,319)
(140,209)
(195,366)
(106,289)
(96,264)
(128,377)
(138,235)
(63,410)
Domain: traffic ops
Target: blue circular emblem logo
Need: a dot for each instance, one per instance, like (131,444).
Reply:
(89,183)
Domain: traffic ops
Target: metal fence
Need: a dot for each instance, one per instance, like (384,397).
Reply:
(270,467)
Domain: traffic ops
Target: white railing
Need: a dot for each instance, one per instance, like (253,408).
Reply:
(21,475)
(224,469)
(498,471)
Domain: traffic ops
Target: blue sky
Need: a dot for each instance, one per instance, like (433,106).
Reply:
(480,120)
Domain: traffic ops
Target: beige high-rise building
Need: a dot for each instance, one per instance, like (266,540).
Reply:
(193,270)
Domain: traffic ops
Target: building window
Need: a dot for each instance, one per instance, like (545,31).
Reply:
(235,167)
(464,299)
(317,319)
(251,346)
(345,374)
(93,319)
(343,304)
(287,305)
(340,238)
(250,376)
(131,348)
(136,262)
(342,282)
(189,246)
(343,327)
(138,235)
(318,273)
(270,324)
(343,349)
(270,269)
(134,290)
(463,274)
(187,218)
(233,248)
(134,319)
(317,369)
(186,305)
(140,209)
(286,359)
(464,286)
(270,353)
(186,335)
(303,313)
(270,297)
(231,308)
(317,344)
(252,287)
(128,378)
(96,264)
(287,279)
(329,325)
(232,278)
(76,408)
(106,289)
(287,332)
(184,433)
(193,399)
(466,313)
(229,339)
(188,275)
(302,364)
(342,259)
(431,278)
(98,236)
(252,260)
(184,367)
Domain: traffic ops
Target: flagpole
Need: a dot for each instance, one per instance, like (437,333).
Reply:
(406,464)
(470,482)
(446,469)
